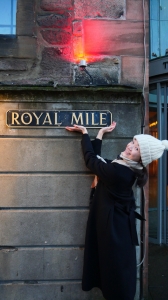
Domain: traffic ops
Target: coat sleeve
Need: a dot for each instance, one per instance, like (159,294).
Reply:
(104,171)
(96,144)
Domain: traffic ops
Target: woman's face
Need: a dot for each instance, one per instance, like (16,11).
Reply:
(132,151)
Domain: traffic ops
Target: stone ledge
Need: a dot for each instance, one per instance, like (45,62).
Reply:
(113,88)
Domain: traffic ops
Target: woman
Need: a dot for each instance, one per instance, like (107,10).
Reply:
(110,255)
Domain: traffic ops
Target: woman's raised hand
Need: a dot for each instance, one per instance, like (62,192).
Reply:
(77,128)
(109,128)
(104,130)
(83,129)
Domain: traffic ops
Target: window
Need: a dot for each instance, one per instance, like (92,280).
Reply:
(158,28)
(8,16)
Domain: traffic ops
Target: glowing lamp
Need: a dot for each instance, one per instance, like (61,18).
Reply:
(82,63)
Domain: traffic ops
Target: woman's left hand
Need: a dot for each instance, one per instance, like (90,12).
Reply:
(104,130)
(77,128)
(109,128)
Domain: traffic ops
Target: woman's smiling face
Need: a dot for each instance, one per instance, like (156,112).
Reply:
(132,151)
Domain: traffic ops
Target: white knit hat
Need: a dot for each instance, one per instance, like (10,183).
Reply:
(150,148)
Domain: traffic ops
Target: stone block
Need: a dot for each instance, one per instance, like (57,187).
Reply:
(132,70)
(78,51)
(61,20)
(41,264)
(56,37)
(77,28)
(95,9)
(104,72)
(13,64)
(102,37)
(43,227)
(55,62)
(22,47)
(25,18)
(47,190)
(134,10)
(63,263)
(40,155)
(50,290)
(50,155)
(17,264)
(53,5)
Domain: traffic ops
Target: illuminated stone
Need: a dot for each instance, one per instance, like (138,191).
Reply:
(114,9)
(56,37)
(77,28)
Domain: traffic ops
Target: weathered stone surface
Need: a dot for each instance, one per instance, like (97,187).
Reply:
(61,20)
(22,47)
(135,10)
(55,62)
(114,9)
(71,98)
(56,37)
(78,49)
(12,64)
(104,72)
(52,56)
(41,263)
(50,290)
(52,5)
(51,155)
(37,155)
(40,179)
(17,264)
(25,18)
(43,227)
(132,70)
(47,190)
(103,37)
(77,28)
(113,102)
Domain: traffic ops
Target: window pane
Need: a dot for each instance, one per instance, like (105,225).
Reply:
(154,38)
(5,30)
(8,16)
(164,26)
(158,28)
(154,29)
(164,10)
(14,11)
(5,12)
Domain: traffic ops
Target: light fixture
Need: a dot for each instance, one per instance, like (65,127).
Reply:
(83,65)
(153,124)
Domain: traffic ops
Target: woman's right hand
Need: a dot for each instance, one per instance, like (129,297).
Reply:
(77,128)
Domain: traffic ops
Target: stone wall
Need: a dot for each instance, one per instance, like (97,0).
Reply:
(43,208)
(52,37)
(45,189)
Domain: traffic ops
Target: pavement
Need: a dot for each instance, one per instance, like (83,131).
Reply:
(158,272)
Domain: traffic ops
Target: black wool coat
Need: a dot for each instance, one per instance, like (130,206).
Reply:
(110,256)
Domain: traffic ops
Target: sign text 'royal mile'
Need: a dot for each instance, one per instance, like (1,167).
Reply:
(55,119)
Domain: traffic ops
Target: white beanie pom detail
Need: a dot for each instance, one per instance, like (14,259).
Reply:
(165,143)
